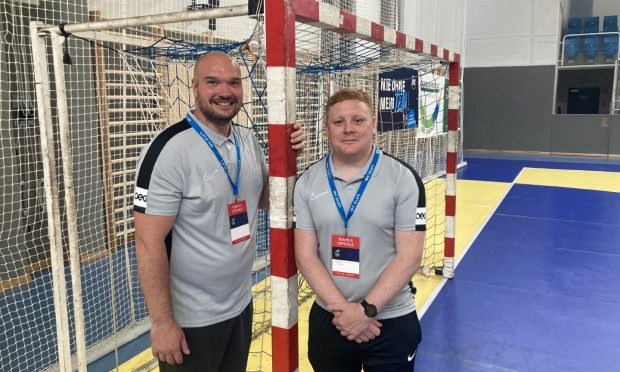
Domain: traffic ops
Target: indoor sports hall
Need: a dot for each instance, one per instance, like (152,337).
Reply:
(508,110)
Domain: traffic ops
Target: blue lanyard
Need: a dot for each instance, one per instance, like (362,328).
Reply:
(360,190)
(205,137)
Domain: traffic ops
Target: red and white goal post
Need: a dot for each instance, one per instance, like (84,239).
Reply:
(130,77)
(286,43)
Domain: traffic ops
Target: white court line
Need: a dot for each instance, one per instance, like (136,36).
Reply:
(435,292)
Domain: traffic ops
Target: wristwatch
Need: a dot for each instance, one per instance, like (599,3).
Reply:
(369,309)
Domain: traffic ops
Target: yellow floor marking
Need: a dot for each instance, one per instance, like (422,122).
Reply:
(138,361)
(578,179)
(475,200)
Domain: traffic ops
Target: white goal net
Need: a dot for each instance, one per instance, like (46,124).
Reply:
(69,154)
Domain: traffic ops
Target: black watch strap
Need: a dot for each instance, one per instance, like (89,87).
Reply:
(369,309)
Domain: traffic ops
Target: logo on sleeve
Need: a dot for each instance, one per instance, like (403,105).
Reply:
(140,196)
(420,216)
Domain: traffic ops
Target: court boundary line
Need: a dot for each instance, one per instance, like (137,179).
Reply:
(471,241)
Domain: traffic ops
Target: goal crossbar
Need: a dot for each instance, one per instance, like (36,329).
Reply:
(185,16)
(329,17)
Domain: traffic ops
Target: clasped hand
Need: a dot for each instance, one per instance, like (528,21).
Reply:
(350,320)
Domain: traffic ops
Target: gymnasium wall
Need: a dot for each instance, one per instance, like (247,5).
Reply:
(604,7)
(511,33)
(437,21)
(509,109)
(509,79)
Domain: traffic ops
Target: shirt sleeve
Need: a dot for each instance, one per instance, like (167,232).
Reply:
(303,217)
(161,194)
(260,154)
(410,214)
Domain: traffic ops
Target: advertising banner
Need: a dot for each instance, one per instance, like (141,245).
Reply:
(431,105)
(398,99)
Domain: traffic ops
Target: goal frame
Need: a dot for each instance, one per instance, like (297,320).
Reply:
(280,18)
(39,32)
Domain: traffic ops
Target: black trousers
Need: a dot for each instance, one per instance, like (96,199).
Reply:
(221,347)
(393,351)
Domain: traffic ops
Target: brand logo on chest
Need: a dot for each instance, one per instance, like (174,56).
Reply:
(208,176)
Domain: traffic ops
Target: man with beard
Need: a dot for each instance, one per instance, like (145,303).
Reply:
(199,185)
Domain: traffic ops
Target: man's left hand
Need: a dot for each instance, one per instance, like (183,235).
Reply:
(298,137)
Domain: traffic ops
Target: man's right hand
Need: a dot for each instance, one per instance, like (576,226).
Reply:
(168,342)
(350,320)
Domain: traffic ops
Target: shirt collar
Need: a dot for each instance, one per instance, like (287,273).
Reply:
(361,173)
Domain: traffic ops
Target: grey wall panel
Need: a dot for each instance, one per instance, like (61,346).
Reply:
(508,108)
(581,8)
(614,135)
(580,134)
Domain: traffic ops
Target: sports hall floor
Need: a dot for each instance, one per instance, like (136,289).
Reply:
(537,286)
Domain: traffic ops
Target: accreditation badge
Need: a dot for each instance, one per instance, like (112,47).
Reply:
(239,224)
(346,256)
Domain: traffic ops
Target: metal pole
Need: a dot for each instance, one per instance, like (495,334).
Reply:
(50,181)
(67,166)
(281,115)
(614,90)
(194,15)
(554,108)
(454,106)
(463,52)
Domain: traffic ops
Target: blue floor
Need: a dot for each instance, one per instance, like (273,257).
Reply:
(506,170)
(539,289)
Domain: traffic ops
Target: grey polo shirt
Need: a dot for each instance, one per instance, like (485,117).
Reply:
(178,175)
(393,197)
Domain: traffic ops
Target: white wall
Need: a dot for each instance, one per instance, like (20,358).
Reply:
(512,32)
(437,21)
(497,32)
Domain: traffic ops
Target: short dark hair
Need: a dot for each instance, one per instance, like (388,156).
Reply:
(346,94)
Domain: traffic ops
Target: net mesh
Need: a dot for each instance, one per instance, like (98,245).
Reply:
(124,87)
